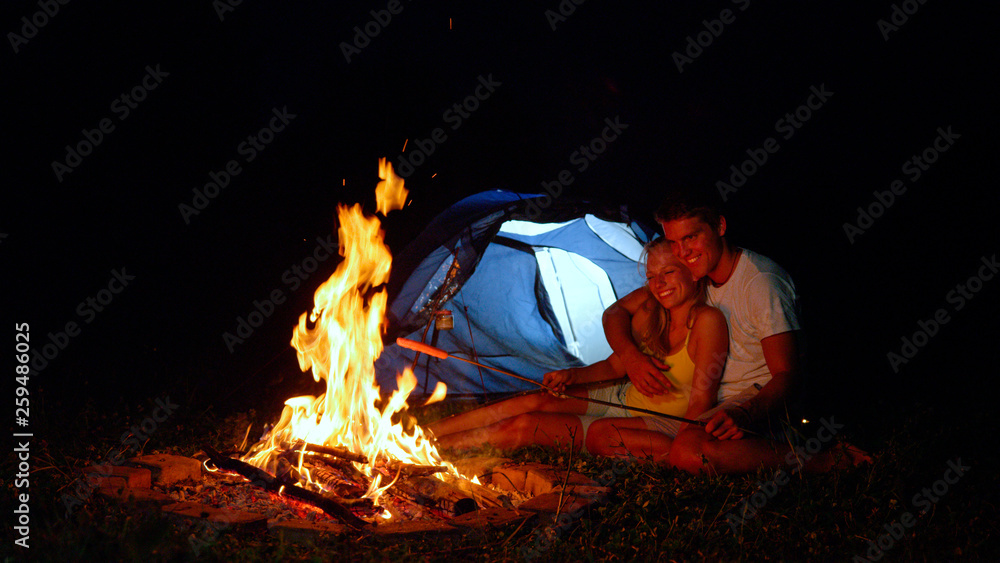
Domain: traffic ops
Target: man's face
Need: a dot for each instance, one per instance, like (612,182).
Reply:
(695,242)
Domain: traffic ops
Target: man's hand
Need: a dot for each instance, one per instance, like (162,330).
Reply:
(645,373)
(641,370)
(725,425)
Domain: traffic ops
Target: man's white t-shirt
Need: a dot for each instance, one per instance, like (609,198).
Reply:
(758,300)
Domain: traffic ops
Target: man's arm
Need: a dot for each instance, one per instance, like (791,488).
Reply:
(781,352)
(782,356)
(617,320)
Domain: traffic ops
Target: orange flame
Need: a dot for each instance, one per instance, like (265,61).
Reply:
(341,347)
(440,390)
(389,193)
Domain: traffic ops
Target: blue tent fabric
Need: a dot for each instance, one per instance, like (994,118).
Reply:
(499,298)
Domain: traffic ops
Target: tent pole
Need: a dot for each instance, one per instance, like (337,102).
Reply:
(439,299)
(475,354)
(416,358)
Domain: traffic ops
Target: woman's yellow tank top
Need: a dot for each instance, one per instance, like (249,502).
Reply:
(681,376)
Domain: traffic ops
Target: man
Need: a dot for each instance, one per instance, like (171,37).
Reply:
(763,367)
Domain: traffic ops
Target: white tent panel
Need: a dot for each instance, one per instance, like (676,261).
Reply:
(617,236)
(579,292)
(529,228)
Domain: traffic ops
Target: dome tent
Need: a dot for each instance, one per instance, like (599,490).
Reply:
(525,277)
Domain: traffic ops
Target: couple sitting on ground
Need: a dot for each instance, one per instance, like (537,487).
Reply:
(706,304)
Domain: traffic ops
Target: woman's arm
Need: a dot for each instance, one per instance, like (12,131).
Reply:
(603,370)
(709,346)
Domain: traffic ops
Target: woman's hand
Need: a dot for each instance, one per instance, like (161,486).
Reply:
(558,380)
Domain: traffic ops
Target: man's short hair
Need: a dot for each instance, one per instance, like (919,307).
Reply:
(685,203)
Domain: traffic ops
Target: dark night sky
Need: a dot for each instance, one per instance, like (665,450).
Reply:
(222,80)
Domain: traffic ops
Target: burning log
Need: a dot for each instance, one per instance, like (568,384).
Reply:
(411,470)
(286,471)
(484,496)
(269,482)
(327,450)
(335,482)
(342,468)
(429,491)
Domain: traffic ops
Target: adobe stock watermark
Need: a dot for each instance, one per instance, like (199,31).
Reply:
(898,16)
(958,297)
(249,149)
(223,7)
(563,11)
(922,501)
(786,126)
(294,278)
(134,438)
(913,168)
(122,107)
(796,459)
(582,157)
(363,35)
(38,20)
(698,42)
(455,116)
(87,310)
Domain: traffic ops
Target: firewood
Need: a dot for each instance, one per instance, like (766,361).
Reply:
(316,448)
(405,491)
(444,495)
(393,467)
(484,496)
(269,482)
(285,471)
(340,466)
(334,482)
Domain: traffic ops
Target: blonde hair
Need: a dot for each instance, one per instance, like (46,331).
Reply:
(659,322)
(650,246)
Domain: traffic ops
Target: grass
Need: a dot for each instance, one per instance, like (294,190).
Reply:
(652,514)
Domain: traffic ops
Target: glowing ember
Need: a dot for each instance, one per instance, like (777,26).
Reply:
(341,348)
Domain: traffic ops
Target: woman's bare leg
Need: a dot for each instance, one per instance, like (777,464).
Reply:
(627,437)
(542,428)
(541,401)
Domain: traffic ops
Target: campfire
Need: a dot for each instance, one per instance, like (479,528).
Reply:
(350,458)
(349,452)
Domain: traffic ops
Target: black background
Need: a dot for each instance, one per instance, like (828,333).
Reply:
(163,334)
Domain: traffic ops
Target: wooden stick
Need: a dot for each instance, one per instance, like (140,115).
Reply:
(438,353)
(484,496)
(392,467)
(334,483)
(269,482)
(318,449)
(431,492)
